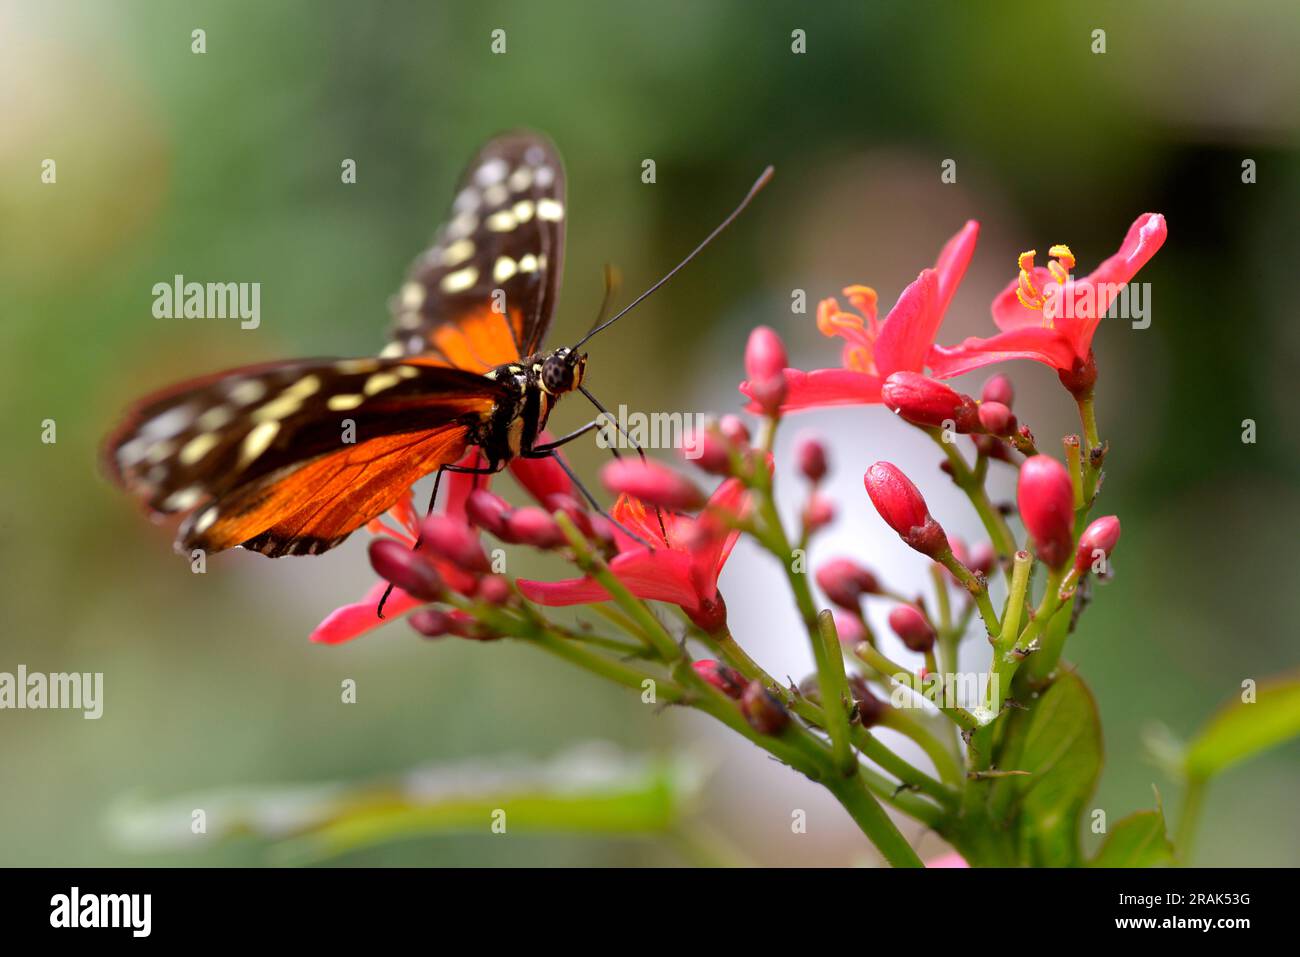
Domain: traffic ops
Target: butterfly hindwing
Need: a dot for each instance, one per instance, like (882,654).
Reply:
(316,445)
(484,293)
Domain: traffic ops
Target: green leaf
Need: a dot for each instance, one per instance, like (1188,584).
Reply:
(1240,730)
(586,791)
(1139,840)
(1059,743)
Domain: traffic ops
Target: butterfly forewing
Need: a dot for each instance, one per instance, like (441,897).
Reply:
(231,444)
(484,293)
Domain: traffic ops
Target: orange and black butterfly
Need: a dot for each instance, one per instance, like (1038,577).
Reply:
(254,457)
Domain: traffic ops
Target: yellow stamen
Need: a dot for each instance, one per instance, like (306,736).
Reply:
(1059,266)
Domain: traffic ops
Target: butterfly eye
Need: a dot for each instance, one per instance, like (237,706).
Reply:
(557,375)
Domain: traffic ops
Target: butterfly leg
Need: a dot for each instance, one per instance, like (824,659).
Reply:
(631,441)
(437,481)
(542,452)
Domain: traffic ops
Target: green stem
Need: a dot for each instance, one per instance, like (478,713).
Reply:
(999,532)
(873,820)
(1188,818)
(947,767)
(835,693)
(889,669)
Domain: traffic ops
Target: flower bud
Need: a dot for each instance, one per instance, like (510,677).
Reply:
(451,539)
(903,509)
(850,629)
(818,513)
(487,511)
(1099,537)
(706,449)
(430,622)
(533,526)
(997,418)
(765,356)
(1046,501)
(762,710)
(734,430)
(653,484)
(925,401)
(845,582)
(870,709)
(410,571)
(494,589)
(998,389)
(910,626)
(464,625)
(768,394)
(811,455)
(727,680)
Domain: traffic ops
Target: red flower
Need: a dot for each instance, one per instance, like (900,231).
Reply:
(1049,317)
(684,573)
(875,350)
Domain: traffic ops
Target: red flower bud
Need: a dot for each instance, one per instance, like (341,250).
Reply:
(845,582)
(448,538)
(533,526)
(494,589)
(734,429)
(652,483)
(765,356)
(762,710)
(707,450)
(998,389)
(871,710)
(1046,501)
(727,680)
(1099,537)
(818,513)
(430,622)
(903,509)
(850,629)
(487,511)
(997,418)
(982,558)
(811,455)
(910,625)
(410,571)
(463,625)
(925,401)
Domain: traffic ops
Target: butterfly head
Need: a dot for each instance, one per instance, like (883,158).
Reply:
(563,371)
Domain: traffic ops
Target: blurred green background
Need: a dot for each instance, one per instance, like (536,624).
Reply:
(225,166)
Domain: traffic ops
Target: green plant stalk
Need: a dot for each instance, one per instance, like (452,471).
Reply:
(1005,664)
(730,650)
(1020,569)
(1188,817)
(1088,418)
(794,746)
(999,532)
(874,750)
(834,686)
(963,718)
(977,587)
(1074,466)
(945,764)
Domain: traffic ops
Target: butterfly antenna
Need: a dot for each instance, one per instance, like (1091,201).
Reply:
(753,191)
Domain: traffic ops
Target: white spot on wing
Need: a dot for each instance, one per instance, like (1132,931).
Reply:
(460,280)
(492,171)
(257,441)
(197,447)
(505,268)
(551,210)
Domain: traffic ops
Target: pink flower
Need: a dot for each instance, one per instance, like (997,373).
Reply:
(684,572)
(951,859)
(1046,315)
(652,483)
(874,350)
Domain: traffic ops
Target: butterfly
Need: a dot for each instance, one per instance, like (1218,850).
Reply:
(259,456)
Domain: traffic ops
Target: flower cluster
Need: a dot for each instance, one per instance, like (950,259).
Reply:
(665,540)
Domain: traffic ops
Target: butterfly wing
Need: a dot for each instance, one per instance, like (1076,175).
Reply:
(291,457)
(484,293)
